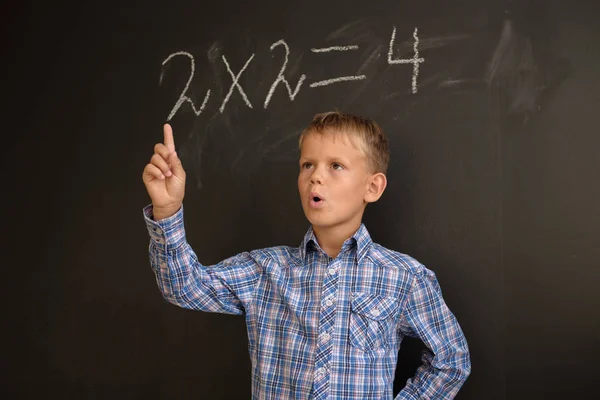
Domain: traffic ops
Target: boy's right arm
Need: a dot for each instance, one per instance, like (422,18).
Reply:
(226,287)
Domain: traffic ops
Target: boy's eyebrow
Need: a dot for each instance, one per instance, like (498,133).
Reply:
(339,159)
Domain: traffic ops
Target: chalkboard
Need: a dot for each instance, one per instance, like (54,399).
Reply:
(491,110)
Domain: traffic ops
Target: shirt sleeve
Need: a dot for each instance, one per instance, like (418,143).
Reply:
(226,287)
(446,362)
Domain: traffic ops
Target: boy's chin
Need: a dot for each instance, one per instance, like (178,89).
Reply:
(326,222)
(316,221)
(321,223)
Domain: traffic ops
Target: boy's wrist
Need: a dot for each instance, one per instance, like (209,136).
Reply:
(159,213)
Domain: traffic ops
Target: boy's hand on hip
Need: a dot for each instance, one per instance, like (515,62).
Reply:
(164,177)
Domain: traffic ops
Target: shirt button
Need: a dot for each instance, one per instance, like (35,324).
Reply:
(331,271)
(376,312)
(325,337)
(321,371)
(328,302)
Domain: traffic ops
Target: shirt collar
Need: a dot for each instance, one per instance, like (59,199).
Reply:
(361,239)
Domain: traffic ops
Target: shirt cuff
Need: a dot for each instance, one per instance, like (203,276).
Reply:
(168,233)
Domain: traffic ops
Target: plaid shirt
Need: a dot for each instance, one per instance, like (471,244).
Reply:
(320,327)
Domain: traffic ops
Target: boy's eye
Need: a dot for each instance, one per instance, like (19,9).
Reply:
(306,165)
(337,166)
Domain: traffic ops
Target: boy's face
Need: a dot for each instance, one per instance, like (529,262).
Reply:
(333,180)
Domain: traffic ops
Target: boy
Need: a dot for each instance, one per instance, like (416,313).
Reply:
(326,319)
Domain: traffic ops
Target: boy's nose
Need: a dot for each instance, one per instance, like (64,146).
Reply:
(315,177)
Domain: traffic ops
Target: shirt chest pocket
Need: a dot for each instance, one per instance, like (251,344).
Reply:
(372,320)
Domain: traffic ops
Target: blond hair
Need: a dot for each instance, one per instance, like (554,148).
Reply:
(373,142)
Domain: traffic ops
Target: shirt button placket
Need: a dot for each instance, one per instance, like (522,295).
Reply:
(326,322)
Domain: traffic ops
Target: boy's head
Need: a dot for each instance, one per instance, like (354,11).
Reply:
(343,161)
(365,134)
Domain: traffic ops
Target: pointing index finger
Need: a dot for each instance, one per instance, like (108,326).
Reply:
(169,142)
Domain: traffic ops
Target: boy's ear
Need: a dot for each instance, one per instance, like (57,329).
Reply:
(376,185)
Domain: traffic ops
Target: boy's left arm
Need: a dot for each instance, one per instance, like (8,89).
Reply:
(446,361)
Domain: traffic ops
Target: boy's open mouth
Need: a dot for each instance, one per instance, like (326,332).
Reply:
(316,200)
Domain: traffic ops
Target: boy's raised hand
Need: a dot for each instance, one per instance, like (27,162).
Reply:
(164,177)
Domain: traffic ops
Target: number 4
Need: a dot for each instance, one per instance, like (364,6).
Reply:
(415,60)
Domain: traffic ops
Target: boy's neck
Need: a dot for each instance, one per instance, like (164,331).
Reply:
(331,239)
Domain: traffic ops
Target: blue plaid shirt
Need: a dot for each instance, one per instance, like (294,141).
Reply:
(320,327)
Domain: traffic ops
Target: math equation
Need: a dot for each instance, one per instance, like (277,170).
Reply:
(280,79)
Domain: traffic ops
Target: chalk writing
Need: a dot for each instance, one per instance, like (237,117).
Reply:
(235,84)
(415,60)
(183,97)
(334,48)
(281,78)
(342,78)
